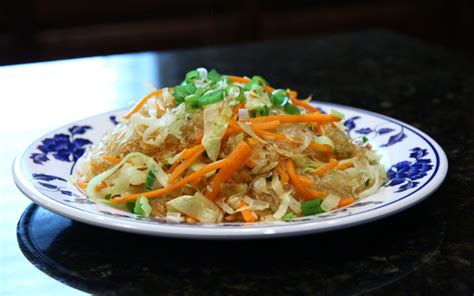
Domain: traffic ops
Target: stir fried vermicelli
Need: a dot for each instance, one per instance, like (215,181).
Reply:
(220,148)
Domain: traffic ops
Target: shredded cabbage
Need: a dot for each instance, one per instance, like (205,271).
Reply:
(215,125)
(142,207)
(127,175)
(330,202)
(196,206)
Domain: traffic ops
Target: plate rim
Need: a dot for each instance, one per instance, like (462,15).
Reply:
(250,232)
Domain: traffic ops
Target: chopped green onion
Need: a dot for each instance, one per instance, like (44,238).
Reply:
(289,216)
(337,114)
(192,76)
(226,79)
(181,91)
(150,180)
(213,75)
(312,207)
(130,206)
(364,139)
(201,90)
(142,207)
(107,196)
(211,98)
(260,79)
(235,92)
(291,109)
(262,111)
(192,100)
(256,80)
(279,97)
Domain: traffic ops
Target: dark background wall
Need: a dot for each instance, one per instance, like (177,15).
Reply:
(35,30)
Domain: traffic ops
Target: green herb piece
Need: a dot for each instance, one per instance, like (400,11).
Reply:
(192,100)
(142,207)
(183,90)
(256,80)
(260,79)
(192,76)
(150,180)
(213,75)
(364,139)
(107,196)
(337,114)
(130,206)
(226,79)
(234,91)
(260,111)
(291,109)
(312,207)
(211,98)
(279,97)
(289,216)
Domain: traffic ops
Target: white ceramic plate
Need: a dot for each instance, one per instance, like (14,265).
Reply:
(415,163)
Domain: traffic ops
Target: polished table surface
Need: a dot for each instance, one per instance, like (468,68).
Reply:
(425,250)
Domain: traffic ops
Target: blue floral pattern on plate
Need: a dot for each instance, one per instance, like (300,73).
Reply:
(350,125)
(405,172)
(63,147)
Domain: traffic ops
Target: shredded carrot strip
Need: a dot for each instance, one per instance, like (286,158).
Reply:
(268,125)
(236,108)
(253,141)
(191,220)
(283,175)
(101,186)
(110,158)
(143,101)
(305,105)
(95,166)
(250,163)
(320,147)
(346,201)
(173,167)
(235,160)
(199,138)
(196,181)
(189,152)
(232,122)
(247,214)
(295,180)
(161,191)
(180,169)
(323,148)
(232,130)
(345,165)
(266,134)
(312,117)
(327,167)
(82,185)
(306,181)
(239,79)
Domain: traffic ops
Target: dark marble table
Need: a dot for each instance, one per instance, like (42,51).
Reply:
(425,250)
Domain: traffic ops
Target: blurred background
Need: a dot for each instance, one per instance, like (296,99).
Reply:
(38,30)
